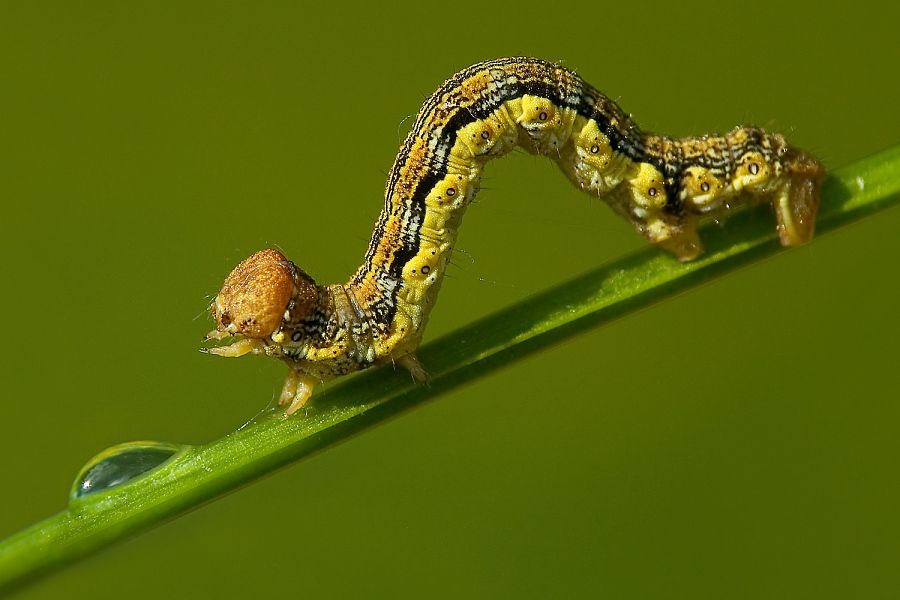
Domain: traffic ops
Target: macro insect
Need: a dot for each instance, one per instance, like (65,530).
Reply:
(664,186)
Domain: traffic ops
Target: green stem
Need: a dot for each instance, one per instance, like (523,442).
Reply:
(203,473)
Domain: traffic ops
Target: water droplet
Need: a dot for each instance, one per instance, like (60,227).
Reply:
(120,464)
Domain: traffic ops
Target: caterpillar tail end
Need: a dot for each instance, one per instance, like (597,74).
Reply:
(797,202)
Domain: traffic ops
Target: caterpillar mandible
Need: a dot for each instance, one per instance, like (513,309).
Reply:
(662,185)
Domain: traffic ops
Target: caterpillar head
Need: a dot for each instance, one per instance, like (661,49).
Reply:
(260,297)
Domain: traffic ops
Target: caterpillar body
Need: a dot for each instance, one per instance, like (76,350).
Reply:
(664,186)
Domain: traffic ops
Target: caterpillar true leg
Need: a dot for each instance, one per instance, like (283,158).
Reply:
(297,390)
(664,186)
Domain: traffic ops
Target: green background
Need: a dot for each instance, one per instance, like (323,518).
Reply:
(738,441)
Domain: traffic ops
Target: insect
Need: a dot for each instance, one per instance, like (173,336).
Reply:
(664,186)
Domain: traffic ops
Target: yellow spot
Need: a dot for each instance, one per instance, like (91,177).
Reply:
(546,127)
(485,137)
(478,137)
(419,268)
(593,146)
(647,190)
(752,173)
(701,188)
(449,192)
(537,113)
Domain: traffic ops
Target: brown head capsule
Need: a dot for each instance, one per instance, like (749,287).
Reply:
(260,294)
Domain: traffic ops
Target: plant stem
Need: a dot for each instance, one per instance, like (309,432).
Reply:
(203,473)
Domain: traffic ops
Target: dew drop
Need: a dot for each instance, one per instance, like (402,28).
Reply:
(120,464)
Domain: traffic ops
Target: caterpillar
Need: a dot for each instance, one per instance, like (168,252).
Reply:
(664,186)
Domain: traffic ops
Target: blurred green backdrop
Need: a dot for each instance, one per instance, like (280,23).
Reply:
(739,441)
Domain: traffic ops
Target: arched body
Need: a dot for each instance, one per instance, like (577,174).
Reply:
(663,186)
